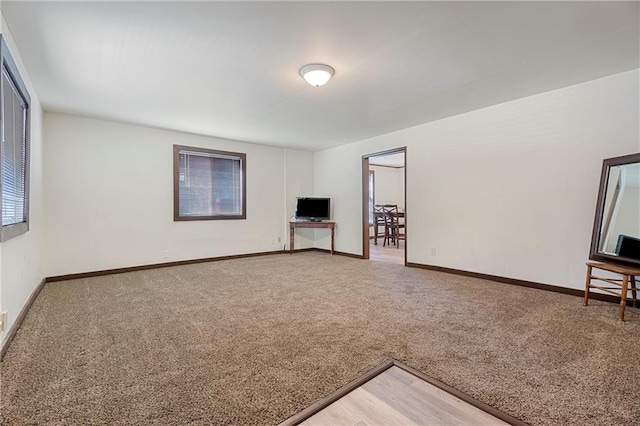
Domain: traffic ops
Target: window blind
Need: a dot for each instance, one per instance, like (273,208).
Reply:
(14,135)
(209,184)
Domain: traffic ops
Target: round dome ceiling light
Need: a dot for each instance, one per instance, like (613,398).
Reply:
(317,74)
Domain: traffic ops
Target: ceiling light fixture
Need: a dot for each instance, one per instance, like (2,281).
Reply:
(317,74)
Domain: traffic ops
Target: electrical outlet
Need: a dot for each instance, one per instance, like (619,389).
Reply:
(279,240)
(165,254)
(433,252)
(3,320)
(273,241)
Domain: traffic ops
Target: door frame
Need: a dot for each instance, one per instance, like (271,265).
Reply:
(365,199)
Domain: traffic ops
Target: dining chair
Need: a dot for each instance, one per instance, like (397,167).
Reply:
(393,229)
(378,222)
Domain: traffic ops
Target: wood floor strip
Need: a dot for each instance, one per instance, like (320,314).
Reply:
(425,403)
(358,407)
(461,395)
(330,399)
(400,395)
(390,253)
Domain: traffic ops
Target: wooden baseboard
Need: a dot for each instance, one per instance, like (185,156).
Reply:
(321,250)
(156,266)
(340,253)
(521,283)
(18,322)
(185,262)
(302,250)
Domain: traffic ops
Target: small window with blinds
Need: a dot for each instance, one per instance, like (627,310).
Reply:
(14,149)
(208,184)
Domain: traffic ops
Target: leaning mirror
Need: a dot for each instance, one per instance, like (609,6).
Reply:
(616,228)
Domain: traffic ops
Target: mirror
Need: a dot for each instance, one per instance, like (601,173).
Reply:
(616,228)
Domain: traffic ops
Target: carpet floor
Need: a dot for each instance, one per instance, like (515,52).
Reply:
(253,341)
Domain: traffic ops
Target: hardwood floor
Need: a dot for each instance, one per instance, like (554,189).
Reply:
(397,397)
(389,253)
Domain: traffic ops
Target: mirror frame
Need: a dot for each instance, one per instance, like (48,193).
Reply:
(607,164)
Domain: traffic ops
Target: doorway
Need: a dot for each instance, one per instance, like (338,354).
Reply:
(384,218)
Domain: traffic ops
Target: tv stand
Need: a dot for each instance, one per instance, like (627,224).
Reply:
(309,224)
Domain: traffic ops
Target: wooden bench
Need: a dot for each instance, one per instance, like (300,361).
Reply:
(622,285)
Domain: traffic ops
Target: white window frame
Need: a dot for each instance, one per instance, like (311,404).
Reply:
(10,70)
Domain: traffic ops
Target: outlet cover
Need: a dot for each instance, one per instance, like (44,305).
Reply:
(3,320)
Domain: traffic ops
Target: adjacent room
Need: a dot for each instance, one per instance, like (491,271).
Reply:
(386,206)
(256,213)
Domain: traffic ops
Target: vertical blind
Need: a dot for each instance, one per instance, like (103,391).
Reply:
(14,133)
(372,191)
(209,184)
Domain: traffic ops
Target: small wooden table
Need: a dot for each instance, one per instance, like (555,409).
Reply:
(309,224)
(623,286)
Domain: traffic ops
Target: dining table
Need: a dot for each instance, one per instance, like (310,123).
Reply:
(376,216)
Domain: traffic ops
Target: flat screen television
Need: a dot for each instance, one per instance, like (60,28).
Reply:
(313,208)
(628,247)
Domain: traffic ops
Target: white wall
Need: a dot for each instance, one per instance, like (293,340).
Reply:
(508,190)
(299,183)
(21,257)
(389,185)
(109,194)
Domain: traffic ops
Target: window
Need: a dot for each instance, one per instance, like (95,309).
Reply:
(208,184)
(14,149)
(372,195)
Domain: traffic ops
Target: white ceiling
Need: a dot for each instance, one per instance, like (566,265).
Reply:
(230,69)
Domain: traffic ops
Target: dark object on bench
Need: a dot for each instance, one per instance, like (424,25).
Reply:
(628,247)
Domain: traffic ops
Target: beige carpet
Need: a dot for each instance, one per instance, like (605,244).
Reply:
(253,341)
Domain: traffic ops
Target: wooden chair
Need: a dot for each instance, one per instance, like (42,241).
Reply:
(393,229)
(378,222)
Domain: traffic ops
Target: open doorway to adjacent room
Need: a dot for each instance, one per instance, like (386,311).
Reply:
(384,206)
